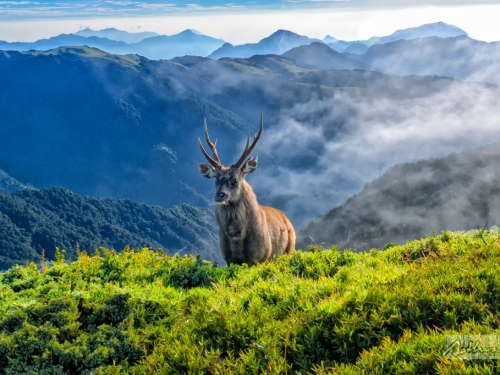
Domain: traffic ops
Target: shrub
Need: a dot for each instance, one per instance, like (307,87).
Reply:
(323,311)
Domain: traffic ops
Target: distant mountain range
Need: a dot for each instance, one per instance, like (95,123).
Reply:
(460,58)
(32,220)
(192,42)
(320,56)
(457,57)
(124,126)
(438,29)
(458,192)
(431,49)
(276,44)
(282,41)
(118,35)
(150,45)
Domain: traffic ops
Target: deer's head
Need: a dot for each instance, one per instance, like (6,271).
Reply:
(228,180)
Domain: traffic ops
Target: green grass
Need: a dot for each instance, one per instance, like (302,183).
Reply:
(324,312)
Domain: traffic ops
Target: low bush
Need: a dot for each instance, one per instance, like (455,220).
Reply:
(322,311)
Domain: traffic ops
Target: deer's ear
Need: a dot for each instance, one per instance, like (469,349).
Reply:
(206,170)
(250,165)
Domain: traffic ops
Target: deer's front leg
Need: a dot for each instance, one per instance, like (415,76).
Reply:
(225,247)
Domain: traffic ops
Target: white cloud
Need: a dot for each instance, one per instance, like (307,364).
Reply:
(199,8)
(155,6)
(15,3)
(378,132)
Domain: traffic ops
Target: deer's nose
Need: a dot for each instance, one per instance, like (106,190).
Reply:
(219,197)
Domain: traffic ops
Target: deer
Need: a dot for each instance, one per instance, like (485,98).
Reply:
(248,232)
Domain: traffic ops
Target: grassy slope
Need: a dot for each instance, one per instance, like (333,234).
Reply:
(316,312)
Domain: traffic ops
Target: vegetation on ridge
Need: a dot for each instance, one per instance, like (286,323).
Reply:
(323,311)
(32,220)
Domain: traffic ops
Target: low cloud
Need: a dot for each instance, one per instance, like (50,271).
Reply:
(340,143)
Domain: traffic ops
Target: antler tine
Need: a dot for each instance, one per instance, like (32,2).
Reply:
(210,160)
(248,150)
(216,161)
(212,145)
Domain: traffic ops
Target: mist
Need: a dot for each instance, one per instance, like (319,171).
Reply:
(336,145)
(458,192)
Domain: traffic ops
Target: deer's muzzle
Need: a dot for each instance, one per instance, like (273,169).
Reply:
(220,197)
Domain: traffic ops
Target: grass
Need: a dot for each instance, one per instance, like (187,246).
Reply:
(318,312)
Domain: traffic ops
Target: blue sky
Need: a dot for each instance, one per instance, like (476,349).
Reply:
(246,21)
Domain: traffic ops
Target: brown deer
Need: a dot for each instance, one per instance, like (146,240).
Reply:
(248,233)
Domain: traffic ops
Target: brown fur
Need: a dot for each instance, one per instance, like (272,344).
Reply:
(250,233)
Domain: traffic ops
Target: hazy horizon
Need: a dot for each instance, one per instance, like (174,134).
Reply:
(346,20)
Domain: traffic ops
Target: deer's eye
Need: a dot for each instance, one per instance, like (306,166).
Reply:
(234,183)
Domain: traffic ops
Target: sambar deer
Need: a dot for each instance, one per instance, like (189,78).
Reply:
(248,233)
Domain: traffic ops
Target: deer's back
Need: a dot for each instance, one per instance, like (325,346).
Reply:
(280,230)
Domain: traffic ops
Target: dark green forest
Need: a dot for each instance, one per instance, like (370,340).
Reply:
(32,220)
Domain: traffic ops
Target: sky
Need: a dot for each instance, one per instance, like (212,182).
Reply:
(242,21)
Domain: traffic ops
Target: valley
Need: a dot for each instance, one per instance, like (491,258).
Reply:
(125,127)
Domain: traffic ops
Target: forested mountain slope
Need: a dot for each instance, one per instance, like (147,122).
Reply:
(127,127)
(32,220)
(102,124)
(458,192)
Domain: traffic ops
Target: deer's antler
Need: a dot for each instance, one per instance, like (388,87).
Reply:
(248,150)
(215,161)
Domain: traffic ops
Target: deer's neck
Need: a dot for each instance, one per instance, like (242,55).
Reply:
(242,212)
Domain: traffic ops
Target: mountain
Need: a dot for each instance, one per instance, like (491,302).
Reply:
(32,220)
(127,127)
(118,35)
(277,43)
(339,45)
(357,48)
(188,42)
(67,40)
(458,192)
(330,39)
(320,56)
(102,124)
(458,57)
(438,29)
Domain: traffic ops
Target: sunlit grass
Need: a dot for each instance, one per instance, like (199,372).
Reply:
(322,311)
